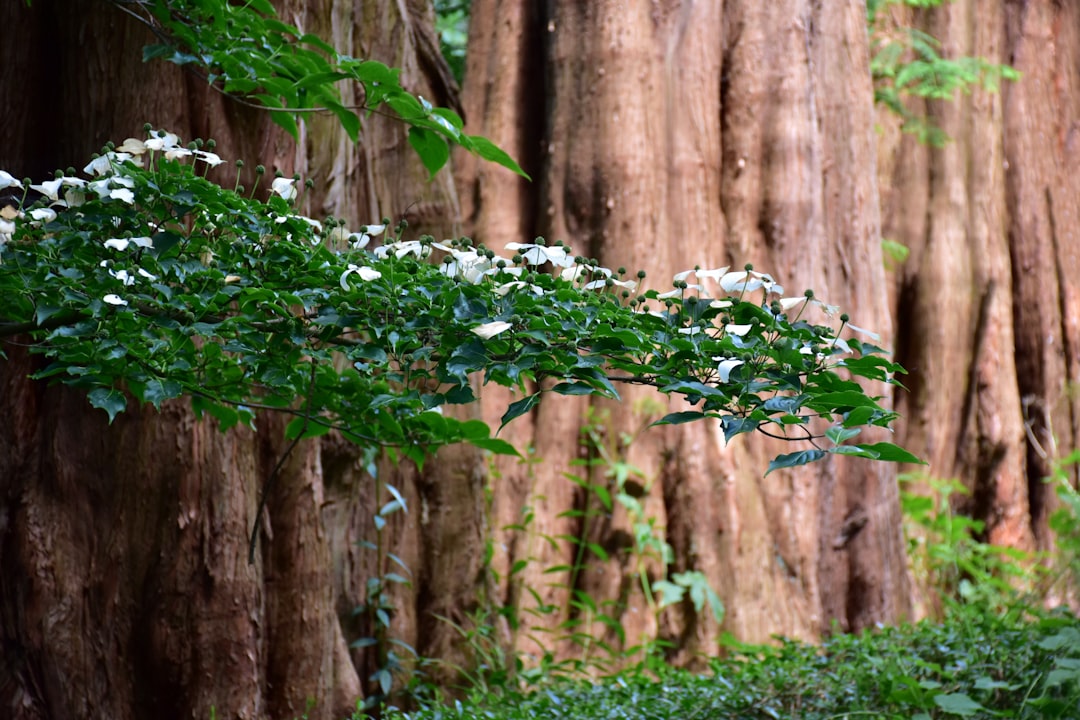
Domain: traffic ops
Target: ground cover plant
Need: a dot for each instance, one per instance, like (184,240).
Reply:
(977,665)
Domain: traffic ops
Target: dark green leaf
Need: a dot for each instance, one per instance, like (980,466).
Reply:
(431,147)
(108,399)
(519,408)
(795,459)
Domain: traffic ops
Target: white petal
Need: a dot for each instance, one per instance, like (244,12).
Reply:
(738,330)
(158,142)
(721,304)
(715,274)
(284,187)
(869,333)
(114,299)
(694,330)
(43,214)
(7,227)
(50,188)
(98,166)
(133,146)
(374,230)
(209,158)
(726,366)
(491,329)
(790,302)
(8,180)
(150,276)
(124,195)
(368,274)
(679,277)
(143,242)
(117,243)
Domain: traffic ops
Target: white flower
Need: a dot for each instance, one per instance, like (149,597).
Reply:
(103,164)
(50,189)
(165,141)
(123,276)
(360,240)
(409,247)
(540,254)
(123,194)
(310,221)
(208,157)
(749,281)
(726,366)
(868,333)
(284,187)
(365,273)
(177,152)
(491,329)
(114,299)
(738,330)
(8,180)
(132,146)
(629,284)
(43,214)
(504,289)
(122,243)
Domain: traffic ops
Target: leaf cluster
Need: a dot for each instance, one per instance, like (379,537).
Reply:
(907,63)
(246,50)
(151,280)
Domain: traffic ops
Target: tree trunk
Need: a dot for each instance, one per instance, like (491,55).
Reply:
(125,589)
(987,302)
(673,134)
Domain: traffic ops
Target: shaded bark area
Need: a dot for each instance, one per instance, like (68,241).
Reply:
(679,134)
(125,586)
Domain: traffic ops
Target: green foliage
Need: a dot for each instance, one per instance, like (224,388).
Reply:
(150,279)
(246,50)
(1064,575)
(452,25)
(980,666)
(963,573)
(907,63)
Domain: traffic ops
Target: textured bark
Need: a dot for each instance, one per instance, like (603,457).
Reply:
(125,589)
(986,304)
(677,134)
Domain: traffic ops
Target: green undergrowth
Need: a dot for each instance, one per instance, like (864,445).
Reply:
(974,665)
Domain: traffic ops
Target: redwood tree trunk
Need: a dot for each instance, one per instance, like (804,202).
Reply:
(673,134)
(988,302)
(125,588)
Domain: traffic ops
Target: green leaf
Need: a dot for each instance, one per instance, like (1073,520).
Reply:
(44,312)
(888,452)
(495,445)
(314,429)
(431,147)
(574,388)
(519,408)
(795,459)
(839,434)
(957,704)
(110,400)
(158,391)
(678,418)
(492,152)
